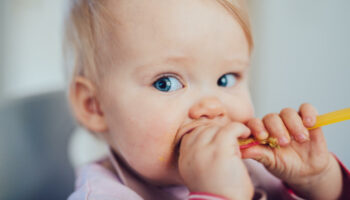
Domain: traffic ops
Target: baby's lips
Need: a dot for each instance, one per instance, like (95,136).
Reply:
(190,127)
(187,129)
(185,132)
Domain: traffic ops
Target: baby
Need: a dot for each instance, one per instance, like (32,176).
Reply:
(165,84)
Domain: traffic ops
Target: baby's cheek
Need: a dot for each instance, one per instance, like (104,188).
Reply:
(241,112)
(163,138)
(159,139)
(156,158)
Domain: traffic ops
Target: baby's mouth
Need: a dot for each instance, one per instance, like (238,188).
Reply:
(187,129)
(244,143)
(178,144)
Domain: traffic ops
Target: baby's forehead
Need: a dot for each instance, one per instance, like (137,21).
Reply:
(158,15)
(163,25)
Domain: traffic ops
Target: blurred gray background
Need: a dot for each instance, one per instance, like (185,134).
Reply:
(301,55)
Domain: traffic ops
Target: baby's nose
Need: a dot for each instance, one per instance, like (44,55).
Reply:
(210,108)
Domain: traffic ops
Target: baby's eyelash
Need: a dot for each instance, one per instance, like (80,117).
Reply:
(172,74)
(238,75)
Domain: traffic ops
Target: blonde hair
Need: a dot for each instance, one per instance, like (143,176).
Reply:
(88,22)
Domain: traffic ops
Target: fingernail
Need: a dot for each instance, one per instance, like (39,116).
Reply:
(302,137)
(263,135)
(309,121)
(283,141)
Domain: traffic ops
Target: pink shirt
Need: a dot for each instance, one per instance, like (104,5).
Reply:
(96,182)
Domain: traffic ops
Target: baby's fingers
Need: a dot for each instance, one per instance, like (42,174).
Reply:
(308,114)
(294,124)
(226,138)
(276,128)
(231,132)
(258,129)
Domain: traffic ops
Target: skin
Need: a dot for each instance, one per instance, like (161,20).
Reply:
(304,161)
(151,121)
(189,135)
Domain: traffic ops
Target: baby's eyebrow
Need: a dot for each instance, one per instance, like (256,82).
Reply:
(171,60)
(185,61)
(168,60)
(235,62)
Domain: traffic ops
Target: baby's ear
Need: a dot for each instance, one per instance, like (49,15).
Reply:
(86,105)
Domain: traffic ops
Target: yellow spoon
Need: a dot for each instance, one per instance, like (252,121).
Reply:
(321,120)
(332,117)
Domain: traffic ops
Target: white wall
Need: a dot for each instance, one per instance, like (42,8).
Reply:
(302,55)
(32,34)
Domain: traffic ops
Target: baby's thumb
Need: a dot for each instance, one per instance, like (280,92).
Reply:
(262,154)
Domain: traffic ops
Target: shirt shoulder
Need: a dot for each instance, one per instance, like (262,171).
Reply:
(95,182)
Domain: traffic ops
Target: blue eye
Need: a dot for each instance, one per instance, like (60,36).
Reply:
(227,80)
(167,84)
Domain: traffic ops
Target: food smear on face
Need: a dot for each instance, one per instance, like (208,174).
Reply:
(161,158)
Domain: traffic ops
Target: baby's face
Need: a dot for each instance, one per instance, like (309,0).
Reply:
(178,64)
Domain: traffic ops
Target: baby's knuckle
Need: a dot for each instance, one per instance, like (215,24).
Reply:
(287,111)
(305,106)
(237,128)
(270,116)
(255,122)
(220,153)
(232,126)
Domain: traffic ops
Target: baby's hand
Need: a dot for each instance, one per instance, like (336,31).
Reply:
(210,161)
(303,160)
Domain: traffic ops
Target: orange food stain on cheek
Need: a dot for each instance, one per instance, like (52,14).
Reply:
(168,139)
(161,159)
